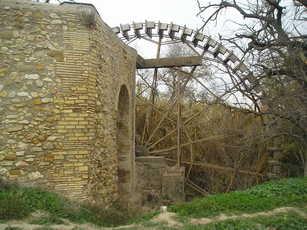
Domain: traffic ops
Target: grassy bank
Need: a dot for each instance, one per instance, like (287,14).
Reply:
(267,196)
(19,202)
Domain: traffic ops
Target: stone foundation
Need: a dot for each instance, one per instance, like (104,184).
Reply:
(173,184)
(158,183)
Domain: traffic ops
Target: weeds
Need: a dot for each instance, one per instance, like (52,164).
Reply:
(19,202)
(259,198)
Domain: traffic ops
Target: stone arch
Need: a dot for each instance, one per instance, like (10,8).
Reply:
(123,142)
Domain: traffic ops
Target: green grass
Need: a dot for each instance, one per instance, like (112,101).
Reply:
(267,196)
(19,202)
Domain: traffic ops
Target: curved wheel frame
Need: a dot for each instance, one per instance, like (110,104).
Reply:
(209,49)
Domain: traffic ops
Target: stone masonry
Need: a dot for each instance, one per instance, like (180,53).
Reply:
(158,182)
(66,101)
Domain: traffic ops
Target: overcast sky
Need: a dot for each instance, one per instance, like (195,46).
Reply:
(181,12)
(115,12)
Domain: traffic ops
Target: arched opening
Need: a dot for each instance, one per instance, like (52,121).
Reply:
(123,142)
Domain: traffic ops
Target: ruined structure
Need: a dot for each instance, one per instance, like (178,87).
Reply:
(66,101)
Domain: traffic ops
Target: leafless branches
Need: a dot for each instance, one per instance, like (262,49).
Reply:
(273,42)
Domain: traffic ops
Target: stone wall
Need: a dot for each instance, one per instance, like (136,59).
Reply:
(61,70)
(149,172)
(157,182)
(113,65)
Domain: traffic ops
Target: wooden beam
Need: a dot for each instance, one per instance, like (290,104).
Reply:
(140,61)
(194,186)
(167,150)
(168,62)
(223,169)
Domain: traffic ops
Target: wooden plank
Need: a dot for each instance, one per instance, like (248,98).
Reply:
(168,62)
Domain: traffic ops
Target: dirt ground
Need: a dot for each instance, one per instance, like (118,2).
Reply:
(168,219)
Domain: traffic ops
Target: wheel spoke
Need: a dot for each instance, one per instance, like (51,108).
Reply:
(216,137)
(187,121)
(152,95)
(159,124)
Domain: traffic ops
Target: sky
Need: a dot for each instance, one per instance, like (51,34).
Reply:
(115,12)
(180,12)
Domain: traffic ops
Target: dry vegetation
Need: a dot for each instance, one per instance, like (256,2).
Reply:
(224,127)
(222,148)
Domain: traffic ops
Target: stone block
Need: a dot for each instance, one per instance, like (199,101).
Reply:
(35,175)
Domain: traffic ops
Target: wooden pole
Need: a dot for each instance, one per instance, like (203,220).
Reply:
(194,186)
(155,77)
(159,124)
(185,123)
(152,96)
(178,92)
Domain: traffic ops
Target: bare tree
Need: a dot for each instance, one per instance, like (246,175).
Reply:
(272,40)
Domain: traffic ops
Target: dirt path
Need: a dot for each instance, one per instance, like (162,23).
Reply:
(165,218)
(170,218)
(70,226)
(273,212)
